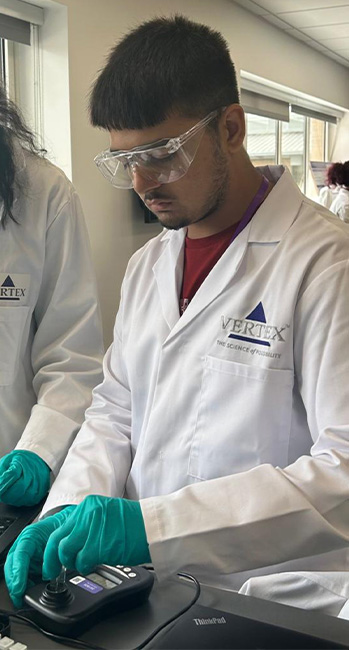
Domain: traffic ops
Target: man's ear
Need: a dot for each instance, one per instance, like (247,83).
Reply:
(234,127)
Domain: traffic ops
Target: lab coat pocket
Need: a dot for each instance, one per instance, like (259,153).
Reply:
(12,322)
(243,419)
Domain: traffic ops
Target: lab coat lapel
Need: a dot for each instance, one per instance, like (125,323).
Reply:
(168,272)
(216,281)
(279,210)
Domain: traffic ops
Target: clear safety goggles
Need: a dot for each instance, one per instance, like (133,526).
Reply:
(164,161)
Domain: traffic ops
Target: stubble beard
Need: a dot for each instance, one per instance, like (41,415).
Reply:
(214,200)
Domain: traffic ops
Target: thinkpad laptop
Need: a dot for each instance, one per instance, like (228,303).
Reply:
(204,628)
(12,521)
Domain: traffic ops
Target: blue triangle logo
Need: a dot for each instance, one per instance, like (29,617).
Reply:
(8,282)
(257,314)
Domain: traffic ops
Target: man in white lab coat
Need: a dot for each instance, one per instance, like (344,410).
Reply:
(218,442)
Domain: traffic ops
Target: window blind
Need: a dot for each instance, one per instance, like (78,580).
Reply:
(16,17)
(263,105)
(14,29)
(298,102)
(23,11)
(313,113)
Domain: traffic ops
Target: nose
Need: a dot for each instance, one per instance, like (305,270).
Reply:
(141,183)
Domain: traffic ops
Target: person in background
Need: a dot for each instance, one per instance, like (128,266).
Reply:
(328,192)
(338,175)
(220,433)
(50,329)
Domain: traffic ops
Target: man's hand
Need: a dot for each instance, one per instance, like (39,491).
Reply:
(99,530)
(24,478)
(26,554)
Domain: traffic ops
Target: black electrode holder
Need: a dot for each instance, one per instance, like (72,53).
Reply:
(82,601)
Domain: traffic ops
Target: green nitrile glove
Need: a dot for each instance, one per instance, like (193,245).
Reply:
(100,530)
(26,554)
(24,478)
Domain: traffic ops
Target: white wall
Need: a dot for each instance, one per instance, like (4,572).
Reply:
(94,26)
(55,86)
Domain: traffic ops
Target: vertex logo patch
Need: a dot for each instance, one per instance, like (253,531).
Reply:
(14,287)
(253,328)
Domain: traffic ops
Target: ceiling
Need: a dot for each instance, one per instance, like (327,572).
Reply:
(321,24)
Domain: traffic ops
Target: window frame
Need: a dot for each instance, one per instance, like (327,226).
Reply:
(12,73)
(306,146)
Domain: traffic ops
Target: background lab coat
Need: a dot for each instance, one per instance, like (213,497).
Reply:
(340,204)
(50,331)
(248,442)
(326,591)
(326,195)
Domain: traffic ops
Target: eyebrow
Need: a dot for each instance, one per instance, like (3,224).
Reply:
(155,144)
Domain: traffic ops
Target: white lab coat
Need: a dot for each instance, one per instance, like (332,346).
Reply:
(50,330)
(340,204)
(326,591)
(238,449)
(326,195)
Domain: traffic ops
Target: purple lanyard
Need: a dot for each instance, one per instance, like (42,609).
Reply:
(254,205)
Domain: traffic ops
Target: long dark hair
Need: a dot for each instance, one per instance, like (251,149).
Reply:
(12,129)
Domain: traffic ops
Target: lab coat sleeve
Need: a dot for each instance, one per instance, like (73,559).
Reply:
(269,515)
(101,454)
(67,348)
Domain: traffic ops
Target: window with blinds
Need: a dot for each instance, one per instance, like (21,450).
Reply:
(284,130)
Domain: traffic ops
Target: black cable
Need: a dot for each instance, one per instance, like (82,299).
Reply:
(73,643)
(175,616)
(77,643)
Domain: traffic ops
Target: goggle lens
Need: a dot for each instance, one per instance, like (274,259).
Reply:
(161,170)
(160,164)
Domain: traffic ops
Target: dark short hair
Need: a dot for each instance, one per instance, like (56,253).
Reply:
(338,174)
(165,66)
